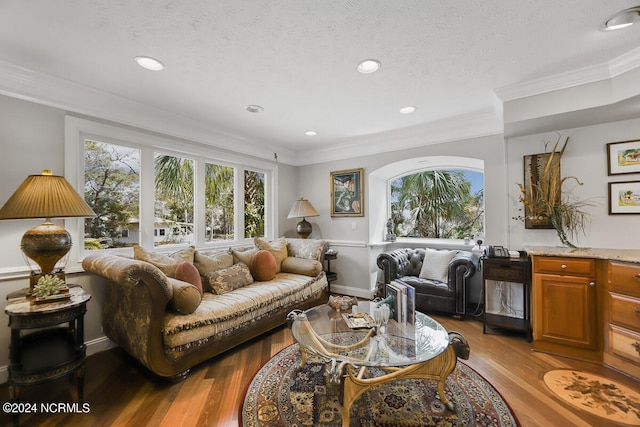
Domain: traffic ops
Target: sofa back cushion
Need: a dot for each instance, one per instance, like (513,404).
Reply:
(278,249)
(208,262)
(306,248)
(222,281)
(166,263)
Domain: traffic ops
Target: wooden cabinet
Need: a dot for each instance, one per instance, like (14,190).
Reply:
(565,310)
(622,338)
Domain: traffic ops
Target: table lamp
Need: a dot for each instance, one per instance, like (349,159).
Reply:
(45,196)
(302,208)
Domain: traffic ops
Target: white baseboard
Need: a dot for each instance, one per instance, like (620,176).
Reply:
(93,347)
(351,291)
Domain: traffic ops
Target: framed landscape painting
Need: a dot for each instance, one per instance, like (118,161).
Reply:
(624,197)
(623,157)
(347,196)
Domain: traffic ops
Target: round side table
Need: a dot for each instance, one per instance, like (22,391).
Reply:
(42,350)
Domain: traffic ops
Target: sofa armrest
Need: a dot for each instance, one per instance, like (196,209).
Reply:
(462,266)
(135,302)
(393,264)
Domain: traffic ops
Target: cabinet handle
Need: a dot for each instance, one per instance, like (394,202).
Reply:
(563,266)
(592,284)
(637,277)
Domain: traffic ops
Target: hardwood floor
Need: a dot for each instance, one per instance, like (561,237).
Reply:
(120,393)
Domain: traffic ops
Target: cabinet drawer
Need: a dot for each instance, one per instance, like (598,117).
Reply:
(624,277)
(518,272)
(565,266)
(625,310)
(624,343)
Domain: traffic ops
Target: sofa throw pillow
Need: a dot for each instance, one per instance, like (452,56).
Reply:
(212,262)
(188,272)
(306,248)
(166,263)
(435,265)
(263,266)
(186,297)
(226,280)
(278,248)
(243,255)
(306,267)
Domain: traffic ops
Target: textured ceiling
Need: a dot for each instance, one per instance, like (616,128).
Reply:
(298,58)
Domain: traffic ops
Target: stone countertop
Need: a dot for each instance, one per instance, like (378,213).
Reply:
(629,255)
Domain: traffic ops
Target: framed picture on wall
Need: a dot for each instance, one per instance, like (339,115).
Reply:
(624,197)
(623,157)
(347,193)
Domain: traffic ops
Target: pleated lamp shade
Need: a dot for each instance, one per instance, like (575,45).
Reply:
(45,196)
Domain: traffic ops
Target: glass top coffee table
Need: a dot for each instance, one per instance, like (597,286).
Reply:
(419,350)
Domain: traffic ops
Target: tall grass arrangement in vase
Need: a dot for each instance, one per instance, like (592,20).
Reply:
(545,200)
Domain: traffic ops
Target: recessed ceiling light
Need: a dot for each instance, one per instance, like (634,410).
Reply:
(311,133)
(149,63)
(254,108)
(621,19)
(369,66)
(407,110)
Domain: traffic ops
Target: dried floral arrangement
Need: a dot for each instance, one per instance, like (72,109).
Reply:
(545,200)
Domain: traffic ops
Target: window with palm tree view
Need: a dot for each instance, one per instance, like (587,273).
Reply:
(112,188)
(438,203)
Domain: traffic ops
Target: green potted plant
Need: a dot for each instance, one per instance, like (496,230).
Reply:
(545,200)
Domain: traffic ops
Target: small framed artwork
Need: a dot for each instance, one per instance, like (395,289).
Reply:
(624,197)
(623,157)
(347,193)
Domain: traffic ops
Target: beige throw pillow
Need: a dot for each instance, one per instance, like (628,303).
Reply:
(243,255)
(435,265)
(186,297)
(208,263)
(278,249)
(307,267)
(166,263)
(222,281)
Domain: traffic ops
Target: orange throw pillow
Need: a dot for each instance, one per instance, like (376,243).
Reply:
(263,266)
(188,272)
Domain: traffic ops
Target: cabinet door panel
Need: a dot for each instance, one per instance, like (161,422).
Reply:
(565,311)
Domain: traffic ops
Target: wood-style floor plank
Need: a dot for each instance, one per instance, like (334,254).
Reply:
(121,393)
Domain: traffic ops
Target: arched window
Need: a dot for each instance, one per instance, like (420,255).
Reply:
(438,197)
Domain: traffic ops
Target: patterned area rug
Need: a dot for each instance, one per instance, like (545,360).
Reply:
(283,394)
(597,395)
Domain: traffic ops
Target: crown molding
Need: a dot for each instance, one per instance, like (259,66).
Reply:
(474,125)
(29,85)
(582,76)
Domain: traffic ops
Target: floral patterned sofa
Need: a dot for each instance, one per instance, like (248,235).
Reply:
(168,324)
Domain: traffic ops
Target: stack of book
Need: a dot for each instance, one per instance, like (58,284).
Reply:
(403,301)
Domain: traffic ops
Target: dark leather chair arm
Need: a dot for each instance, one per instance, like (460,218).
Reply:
(461,268)
(393,264)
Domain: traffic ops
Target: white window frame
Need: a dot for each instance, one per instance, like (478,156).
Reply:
(77,130)
(379,194)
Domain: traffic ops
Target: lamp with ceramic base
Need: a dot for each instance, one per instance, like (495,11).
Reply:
(302,208)
(45,196)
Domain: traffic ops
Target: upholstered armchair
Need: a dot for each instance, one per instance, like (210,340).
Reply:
(440,277)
